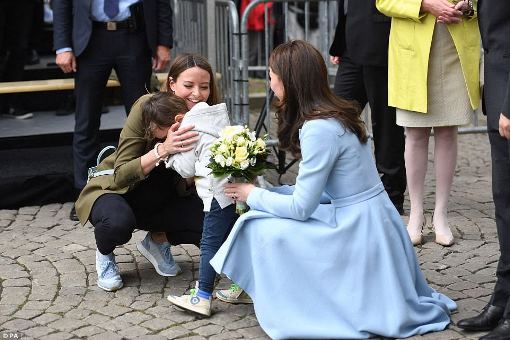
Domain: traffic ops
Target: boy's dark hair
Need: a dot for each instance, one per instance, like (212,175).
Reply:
(159,110)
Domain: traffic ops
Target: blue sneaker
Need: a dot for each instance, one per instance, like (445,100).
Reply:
(159,255)
(108,277)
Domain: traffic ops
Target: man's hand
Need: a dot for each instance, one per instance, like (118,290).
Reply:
(334,60)
(443,10)
(504,126)
(66,61)
(161,59)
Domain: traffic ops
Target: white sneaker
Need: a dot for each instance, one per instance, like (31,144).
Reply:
(234,294)
(108,277)
(159,255)
(191,302)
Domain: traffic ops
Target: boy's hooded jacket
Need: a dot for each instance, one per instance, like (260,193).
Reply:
(208,121)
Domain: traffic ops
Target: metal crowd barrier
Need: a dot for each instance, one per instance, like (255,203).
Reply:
(192,34)
(285,15)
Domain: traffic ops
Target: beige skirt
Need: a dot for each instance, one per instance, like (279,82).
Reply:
(447,100)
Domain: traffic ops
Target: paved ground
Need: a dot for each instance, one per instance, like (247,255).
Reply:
(48,280)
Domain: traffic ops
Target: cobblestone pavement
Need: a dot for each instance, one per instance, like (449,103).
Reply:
(48,279)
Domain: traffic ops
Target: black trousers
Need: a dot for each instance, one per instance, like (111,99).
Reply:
(153,205)
(496,83)
(370,84)
(128,54)
(16,19)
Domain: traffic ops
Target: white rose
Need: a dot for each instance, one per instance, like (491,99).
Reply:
(240,141)
(220,160)
(229,161)
(244,164)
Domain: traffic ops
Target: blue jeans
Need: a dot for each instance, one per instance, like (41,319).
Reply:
(217,225)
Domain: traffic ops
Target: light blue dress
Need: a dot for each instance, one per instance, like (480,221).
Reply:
(330,256)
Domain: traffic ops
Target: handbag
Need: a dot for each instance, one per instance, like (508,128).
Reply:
(93,171)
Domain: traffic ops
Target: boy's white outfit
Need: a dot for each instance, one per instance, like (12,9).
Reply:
(208,121)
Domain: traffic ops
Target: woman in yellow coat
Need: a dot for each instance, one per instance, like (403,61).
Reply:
(434,56)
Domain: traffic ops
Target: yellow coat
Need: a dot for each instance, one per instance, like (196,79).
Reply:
(409,49)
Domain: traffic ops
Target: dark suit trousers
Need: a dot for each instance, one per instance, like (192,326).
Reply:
(496,82)
(153,205)
(126,52)
(370,84)
(16,19)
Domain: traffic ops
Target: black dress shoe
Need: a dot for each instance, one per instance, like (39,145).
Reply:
(72,215)
(502,332)
(487,320)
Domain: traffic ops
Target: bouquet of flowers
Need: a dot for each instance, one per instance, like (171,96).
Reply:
(239,154)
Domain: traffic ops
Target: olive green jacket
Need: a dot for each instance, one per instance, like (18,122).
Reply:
(126,162)
(409,50)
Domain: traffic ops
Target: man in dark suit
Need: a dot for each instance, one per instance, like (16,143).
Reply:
(92,37)
(360,47)
(493,18)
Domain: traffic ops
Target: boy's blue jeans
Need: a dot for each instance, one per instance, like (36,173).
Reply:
(217,225)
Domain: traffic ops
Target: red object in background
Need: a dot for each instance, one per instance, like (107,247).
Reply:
(256,17)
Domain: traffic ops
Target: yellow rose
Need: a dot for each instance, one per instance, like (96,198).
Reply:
(261,144)
(241,154)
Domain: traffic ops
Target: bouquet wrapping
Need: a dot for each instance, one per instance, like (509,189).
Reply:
(238,153)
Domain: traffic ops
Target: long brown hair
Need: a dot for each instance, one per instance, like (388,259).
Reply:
(159,110)
(307,95)
(186,61)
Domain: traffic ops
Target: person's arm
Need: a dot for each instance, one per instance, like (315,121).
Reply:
(504,117)
(320,150)
(165,35)
(184,162)
(62,35)
(337,48)
(62,24)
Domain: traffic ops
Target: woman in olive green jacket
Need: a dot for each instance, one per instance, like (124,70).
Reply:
(140,194)
(433,81)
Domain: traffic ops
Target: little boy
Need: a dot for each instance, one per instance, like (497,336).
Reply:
(219,209)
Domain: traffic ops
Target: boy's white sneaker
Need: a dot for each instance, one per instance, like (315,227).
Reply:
(234,294)
(191,302)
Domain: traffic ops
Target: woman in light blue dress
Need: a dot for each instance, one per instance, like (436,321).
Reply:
(330,256)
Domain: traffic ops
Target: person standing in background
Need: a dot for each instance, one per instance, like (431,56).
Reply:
(16,19)
(92,37)
(433,81)
(494,27)
(360,48)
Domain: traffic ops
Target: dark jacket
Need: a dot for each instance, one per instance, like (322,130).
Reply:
(72,25)
(494,23)
(362,33)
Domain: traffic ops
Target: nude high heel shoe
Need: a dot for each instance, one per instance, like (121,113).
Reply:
(445,240)
(417,238)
